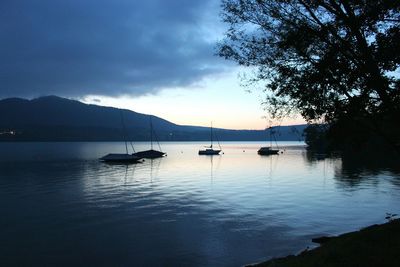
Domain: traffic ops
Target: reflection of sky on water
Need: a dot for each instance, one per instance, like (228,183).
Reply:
(224,210)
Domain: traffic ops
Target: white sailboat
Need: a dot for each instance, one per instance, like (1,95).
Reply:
(209,149)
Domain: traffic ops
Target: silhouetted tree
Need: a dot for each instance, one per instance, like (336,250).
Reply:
(326,59)
(315,137)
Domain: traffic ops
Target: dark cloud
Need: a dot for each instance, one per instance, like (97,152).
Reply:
(80,47)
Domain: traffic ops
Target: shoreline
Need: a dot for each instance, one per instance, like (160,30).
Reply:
(375,245)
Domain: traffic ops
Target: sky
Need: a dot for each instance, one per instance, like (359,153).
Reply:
(155,57)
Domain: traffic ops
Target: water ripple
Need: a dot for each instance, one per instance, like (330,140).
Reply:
(180,210)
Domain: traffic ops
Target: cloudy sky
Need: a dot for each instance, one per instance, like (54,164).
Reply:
(153,56)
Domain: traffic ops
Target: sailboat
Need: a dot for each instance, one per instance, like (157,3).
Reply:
(151,153)
(268,150)
(209,149)
(122,158)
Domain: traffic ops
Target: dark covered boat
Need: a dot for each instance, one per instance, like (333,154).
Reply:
(150,154)
(121,158)
(266,150)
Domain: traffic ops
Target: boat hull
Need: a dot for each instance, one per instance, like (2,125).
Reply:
(267,151)
(150,154)
(209,152)
(121,158)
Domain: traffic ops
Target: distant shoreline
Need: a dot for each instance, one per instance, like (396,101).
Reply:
(54,118)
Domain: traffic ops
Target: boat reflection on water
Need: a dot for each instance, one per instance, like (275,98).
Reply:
(184,204)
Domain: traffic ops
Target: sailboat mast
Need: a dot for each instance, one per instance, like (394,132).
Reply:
(270,136)
(124,131)
(151,133)
(211,136)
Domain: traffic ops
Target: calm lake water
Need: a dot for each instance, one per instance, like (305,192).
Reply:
(60,206)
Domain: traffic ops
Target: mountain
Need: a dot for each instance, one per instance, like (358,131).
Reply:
(53,118)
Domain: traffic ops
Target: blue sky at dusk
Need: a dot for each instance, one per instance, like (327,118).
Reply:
(151,56)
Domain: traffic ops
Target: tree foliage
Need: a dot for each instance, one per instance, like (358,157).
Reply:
(326,59)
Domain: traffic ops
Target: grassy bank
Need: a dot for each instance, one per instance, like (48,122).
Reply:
(377,245)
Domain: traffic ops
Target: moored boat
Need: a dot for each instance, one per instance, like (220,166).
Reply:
(266,150)
(121,158)
(209,149)
(151,153)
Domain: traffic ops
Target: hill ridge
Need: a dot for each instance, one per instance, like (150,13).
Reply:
(53,118)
